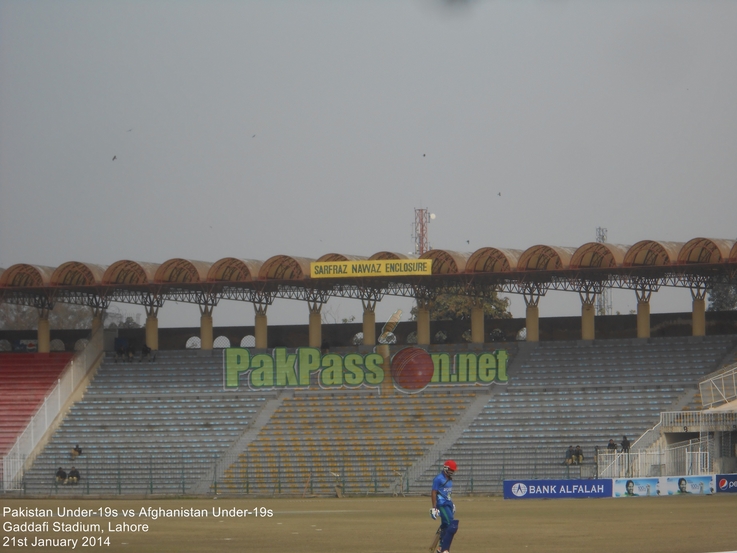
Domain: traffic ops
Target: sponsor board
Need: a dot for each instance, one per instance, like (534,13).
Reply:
(685,485)
(539,489)
(370,268)
(636,487)
(726,483)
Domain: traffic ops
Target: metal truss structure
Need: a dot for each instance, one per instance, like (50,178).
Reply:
(530,284)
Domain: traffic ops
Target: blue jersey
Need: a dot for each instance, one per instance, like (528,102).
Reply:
(443,485)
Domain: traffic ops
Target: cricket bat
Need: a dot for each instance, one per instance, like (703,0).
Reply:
(435,541)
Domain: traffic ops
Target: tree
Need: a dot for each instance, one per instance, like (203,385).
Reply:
(63,316)
(723,297)
(447,307)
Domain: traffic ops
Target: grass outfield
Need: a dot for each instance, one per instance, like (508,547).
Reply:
(394,525)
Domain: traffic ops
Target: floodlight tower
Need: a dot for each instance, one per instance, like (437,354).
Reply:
(603,300)
(422,219)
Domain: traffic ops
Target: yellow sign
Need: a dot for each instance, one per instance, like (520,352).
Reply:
(379,268)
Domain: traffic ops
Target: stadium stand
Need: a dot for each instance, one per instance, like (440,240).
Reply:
(148,427)
(25,379)
(583,392)
(359,440)
(168,426)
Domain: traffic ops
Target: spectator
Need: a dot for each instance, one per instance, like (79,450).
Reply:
(611,447)
(569,456)
(146,353)
(119,354)
(578,455)
(76,451)
(73,477)
(130,353)
(625,445)
(61,476)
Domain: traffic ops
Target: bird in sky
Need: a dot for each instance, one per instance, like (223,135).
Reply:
(499,194)
(129,130)
(115,157)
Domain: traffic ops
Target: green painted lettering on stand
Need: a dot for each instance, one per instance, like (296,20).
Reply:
(309,361)
(374,369)
(286,368)
(487,367)
(332,370)
(466,363)
(442,367)
(262,375)
(237,361)
(353,369)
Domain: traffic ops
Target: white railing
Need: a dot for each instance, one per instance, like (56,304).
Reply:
(71,376)
(719,389)
(690,458)
(695,421)
(647,439)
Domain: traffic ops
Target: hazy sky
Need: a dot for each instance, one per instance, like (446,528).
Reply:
(251,129)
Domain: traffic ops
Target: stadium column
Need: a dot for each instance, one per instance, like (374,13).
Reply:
(643,312)
(97,315)
(261,327)
(369,322)
(152,327)
(423,322)
(587,321)
(315,324)
(532,315)
(43,332)
(477,322)
(698,317)
(532,323)
(206,327)
(588,313)
(698,314)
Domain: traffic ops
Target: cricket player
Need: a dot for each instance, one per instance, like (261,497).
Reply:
(442,505)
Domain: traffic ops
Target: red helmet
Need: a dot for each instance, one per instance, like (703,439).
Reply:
(450,465)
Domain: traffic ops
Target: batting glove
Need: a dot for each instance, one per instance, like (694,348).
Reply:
(434,513)
(454,508)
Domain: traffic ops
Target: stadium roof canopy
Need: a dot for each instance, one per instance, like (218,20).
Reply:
(698,263)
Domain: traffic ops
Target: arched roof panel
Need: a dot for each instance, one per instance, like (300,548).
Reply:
(596,255)
(75,273)
(545,258)
(388,256)
(493,260)
(126,271)
(182,271)
(285,267)
(340,257)
(24,275)
(705,250)
(446,262)
(648,253)
(231,269)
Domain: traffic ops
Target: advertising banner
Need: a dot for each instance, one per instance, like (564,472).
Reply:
(539,489)
(726,483)
(677,485)
(636,487)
